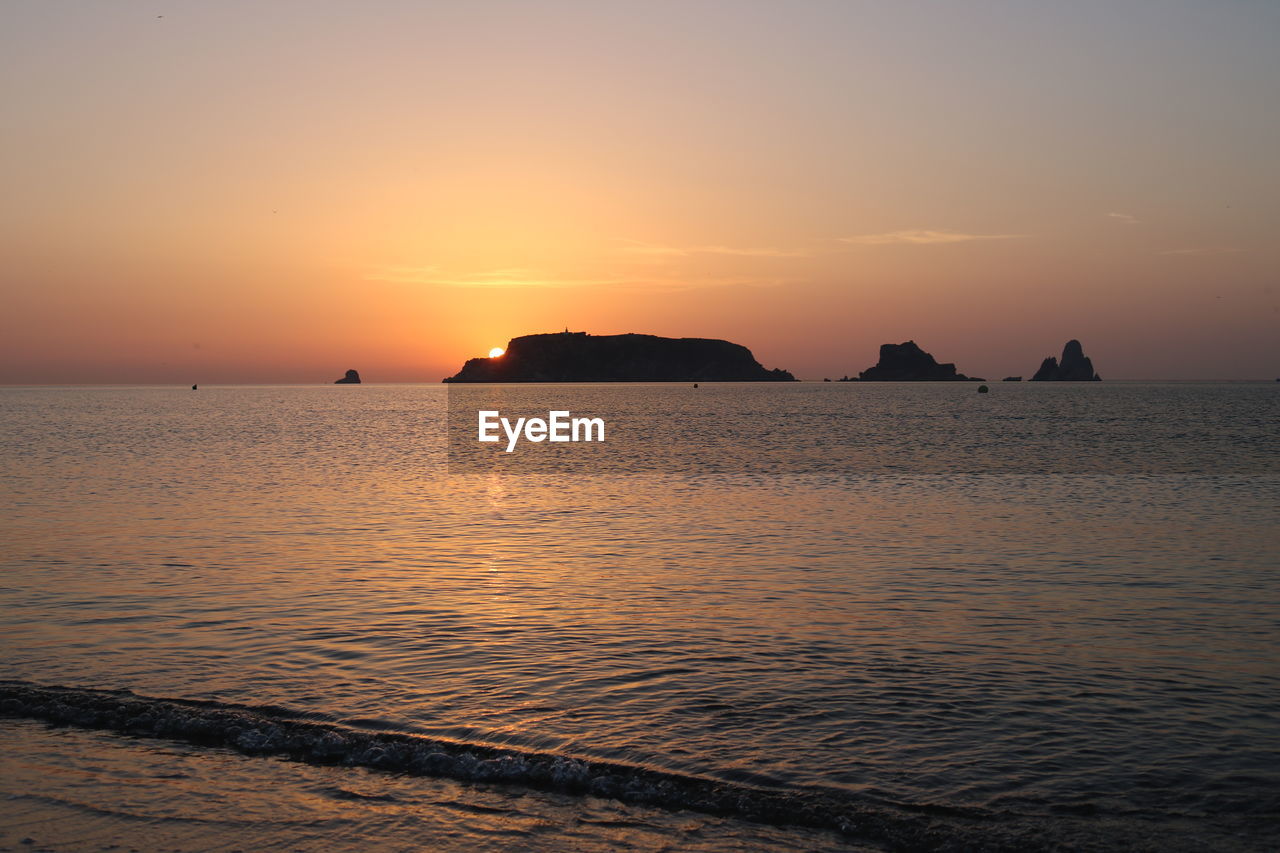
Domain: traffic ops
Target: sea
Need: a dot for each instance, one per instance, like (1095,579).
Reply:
(766,616)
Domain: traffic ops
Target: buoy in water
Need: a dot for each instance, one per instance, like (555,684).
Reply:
(983,389)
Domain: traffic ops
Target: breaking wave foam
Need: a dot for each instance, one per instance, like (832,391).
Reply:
(279,732)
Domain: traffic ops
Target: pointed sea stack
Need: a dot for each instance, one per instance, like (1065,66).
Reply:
(1074,367)
(579,357)
(908,363)
(352,378)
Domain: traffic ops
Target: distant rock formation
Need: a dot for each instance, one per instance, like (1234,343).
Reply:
(1074,367)
(352,378)
(908,363)
(579,357)
(1012,379)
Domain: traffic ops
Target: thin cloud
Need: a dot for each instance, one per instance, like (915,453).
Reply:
(405,275)
(1124,217)
(674,285)
(635,247)
(516,277)
(509,277)
(921,237)
(1203,250)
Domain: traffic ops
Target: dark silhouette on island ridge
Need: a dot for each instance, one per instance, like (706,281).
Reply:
(1075,366)
(580,357)
(352,378)
(908,363)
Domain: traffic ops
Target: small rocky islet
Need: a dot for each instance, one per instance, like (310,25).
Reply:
(1074,367)
(906,362)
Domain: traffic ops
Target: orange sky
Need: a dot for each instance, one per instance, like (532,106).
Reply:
(231,193)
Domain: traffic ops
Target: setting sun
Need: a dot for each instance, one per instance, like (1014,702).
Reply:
(495,352)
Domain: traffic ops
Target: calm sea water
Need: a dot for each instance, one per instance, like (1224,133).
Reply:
(759,616)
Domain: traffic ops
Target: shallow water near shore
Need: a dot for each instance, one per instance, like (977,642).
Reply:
(900,616)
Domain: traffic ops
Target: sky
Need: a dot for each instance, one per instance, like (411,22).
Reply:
(280,191)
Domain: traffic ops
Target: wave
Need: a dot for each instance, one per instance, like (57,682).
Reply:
(278,732)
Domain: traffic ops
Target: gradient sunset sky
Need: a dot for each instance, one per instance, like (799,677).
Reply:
(279,191)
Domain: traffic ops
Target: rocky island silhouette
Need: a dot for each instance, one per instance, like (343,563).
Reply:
(580,357)
(906,362)
(1074,367)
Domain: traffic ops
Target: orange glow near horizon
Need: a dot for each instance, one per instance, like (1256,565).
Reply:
(264,214)
(496,352)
